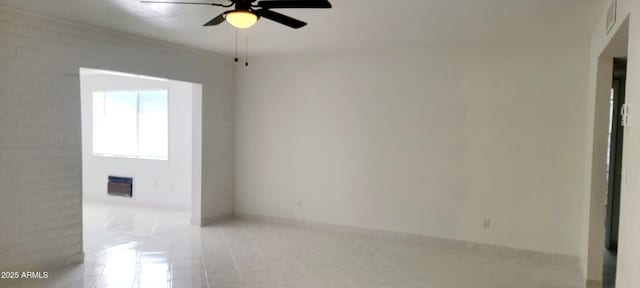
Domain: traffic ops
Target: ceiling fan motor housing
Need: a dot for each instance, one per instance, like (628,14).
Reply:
(243,4)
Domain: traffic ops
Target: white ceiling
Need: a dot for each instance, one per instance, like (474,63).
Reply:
(350,25)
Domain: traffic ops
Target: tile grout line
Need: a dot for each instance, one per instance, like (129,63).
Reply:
(346,279)
(206,273)
(259,251)
(153,230)
(109,221)
(304,270)
(352,238)
(106,262)
(306,273)
(323,234)
(233,257)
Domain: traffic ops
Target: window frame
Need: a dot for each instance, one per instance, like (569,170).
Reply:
(136,157)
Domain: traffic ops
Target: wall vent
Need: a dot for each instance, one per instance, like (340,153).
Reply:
(120,186)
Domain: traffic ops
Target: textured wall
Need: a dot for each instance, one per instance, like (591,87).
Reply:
(40,142)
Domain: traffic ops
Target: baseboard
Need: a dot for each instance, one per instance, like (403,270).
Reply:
(215,219)
(594,284)
(76,259)
(417,238)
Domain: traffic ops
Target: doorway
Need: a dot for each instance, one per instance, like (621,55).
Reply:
(141,155)
(606,162)
(614,171)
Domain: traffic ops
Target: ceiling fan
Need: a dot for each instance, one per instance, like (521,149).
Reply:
(247,12)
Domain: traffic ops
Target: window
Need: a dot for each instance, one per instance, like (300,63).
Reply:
(131,124)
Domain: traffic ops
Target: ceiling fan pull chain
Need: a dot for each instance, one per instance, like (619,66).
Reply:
(246,55)
(236,59)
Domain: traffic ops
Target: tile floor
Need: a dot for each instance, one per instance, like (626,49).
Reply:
(153,248)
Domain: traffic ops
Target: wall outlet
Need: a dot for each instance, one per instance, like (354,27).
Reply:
(486,223)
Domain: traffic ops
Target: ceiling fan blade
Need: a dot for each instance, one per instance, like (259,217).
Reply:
(275,4)
(188,3)
(280,18)
(215,21)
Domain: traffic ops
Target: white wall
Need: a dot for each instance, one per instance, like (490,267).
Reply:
(429,140)
(166,184)
(40,142)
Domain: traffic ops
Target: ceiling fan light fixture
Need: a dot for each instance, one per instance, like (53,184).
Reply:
(241,19)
